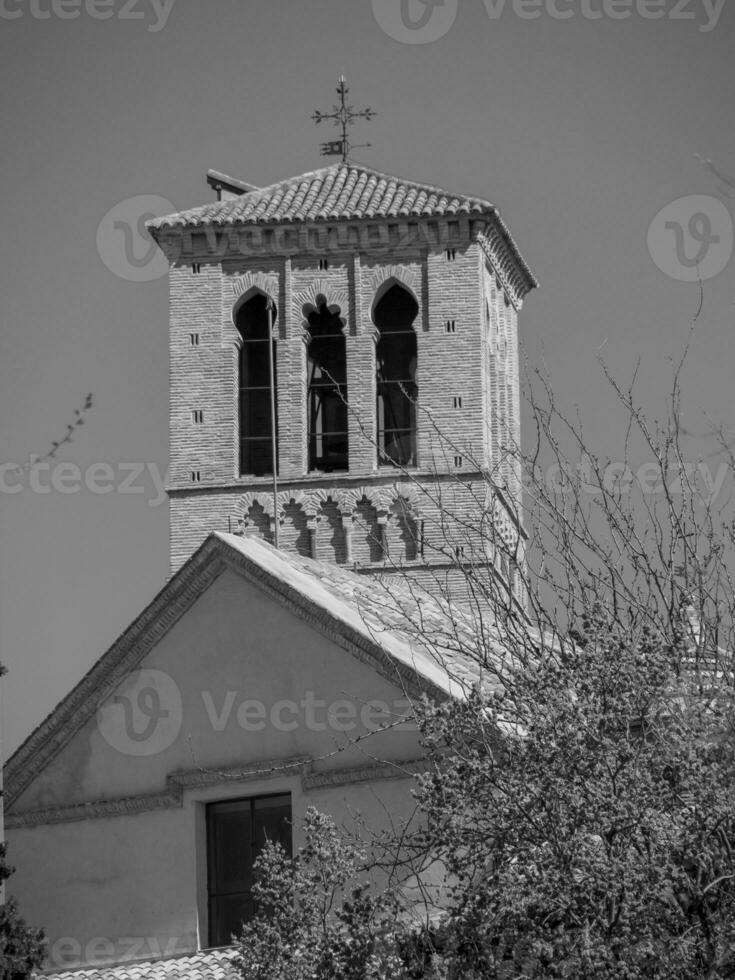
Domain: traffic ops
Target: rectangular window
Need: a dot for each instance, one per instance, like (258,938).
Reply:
(237,830)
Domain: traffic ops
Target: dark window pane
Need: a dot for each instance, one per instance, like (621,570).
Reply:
(396,355)
(327,360)
(396,386)
(254,363)
(398,448)
(236,832)
(396,310)
(256,456)
(327,392)
(232,856)
(255,383)
(251,319)
(226,916)
(272,817)
(255,405)
(328,452)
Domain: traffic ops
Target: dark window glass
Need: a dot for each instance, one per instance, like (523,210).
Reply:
(236,833)
(327,392)
(256,449)
(396,378)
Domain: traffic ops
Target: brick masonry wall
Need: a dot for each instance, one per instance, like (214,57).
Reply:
(450,366)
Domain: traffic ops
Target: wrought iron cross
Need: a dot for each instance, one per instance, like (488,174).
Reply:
(343,115)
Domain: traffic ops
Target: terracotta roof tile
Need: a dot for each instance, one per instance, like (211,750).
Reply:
(213,964)
(344,190)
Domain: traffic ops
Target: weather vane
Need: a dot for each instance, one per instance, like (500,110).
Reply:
(343,115)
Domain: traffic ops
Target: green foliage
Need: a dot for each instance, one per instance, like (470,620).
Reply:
(22,948)
(580,802)
(594,841)
(315,918)
(584,818)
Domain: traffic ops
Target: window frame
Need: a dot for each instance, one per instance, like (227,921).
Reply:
(244,419)
(214,891)
(319,391)
(407,388)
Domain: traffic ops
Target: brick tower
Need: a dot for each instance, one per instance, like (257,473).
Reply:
(395,365)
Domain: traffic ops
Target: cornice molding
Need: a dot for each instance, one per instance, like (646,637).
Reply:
(507,264)
(241,242)
(171,797)
(385,770)
(177,783)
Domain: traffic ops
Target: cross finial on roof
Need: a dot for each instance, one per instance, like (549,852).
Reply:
(343,115)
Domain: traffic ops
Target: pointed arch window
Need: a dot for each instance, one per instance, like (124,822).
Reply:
(256,447)
(326,396)
(396,384)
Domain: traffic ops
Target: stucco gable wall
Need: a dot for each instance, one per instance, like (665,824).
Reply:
(114,889)
(234,645)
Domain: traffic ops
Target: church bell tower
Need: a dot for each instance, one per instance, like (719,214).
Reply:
(344,370)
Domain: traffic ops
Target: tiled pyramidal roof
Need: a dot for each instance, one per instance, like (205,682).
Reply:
(214,964)
(342,191)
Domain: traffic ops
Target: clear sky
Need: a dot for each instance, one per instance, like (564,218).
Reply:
(580,129)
